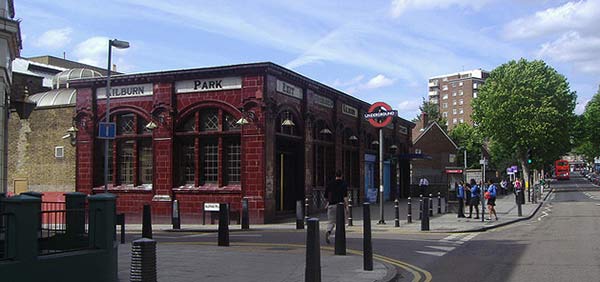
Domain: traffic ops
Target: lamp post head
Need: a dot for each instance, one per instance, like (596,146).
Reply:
(119,44)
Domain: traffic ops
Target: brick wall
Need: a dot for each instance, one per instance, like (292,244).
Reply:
(31,150)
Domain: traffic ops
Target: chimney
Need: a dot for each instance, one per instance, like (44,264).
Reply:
(114,67)
(424,120)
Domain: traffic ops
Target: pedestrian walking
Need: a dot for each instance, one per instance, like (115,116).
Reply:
(519,193)
(460,194)
(490,195)
(468,196)
(423,184)
(504,186)
(336,192)
(474,199)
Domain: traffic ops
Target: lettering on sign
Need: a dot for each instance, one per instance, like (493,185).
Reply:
(126,91)
(349,110)
(402,129)
(289,89)
(211,206)
(323,101)
(205,85)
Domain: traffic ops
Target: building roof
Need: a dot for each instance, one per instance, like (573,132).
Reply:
(63,77)
(31,68)
(66,64)
(476,73)
(54,97)
(432,125)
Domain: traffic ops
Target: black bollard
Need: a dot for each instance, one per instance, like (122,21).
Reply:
(367,244)
(425,219)
(312,271)
(223,225)
(397,210)
(350,212)
(409,213)
(420,206)
(340,231)
(519,202)
(147,222)
(439,203)
(306,206)
(299,215)
(175,219)
(430,205)
(245,216)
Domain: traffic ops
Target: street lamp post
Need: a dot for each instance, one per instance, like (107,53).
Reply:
(121,45)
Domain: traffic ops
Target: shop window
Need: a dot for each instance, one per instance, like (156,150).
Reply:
(145,168)
(231,123)
(209,120)
(125,165)
(210,161)
(324,158)
(234,161)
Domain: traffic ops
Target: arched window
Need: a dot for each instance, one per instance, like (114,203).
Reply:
(350,158)
(130,154)
(208,149)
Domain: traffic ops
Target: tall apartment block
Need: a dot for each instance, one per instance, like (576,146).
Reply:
(453,94)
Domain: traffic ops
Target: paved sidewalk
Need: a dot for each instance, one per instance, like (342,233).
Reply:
(180,262)
(189,262)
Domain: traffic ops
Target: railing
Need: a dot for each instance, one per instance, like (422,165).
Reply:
(5,239)
(63,231)
(53,206)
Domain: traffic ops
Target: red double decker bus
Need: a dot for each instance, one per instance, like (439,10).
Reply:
(561,169)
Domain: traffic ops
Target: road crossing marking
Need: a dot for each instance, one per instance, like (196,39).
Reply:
(454,240)
(442,248)
(437,254)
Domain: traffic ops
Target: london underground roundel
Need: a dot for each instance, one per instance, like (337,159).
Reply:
(380,114)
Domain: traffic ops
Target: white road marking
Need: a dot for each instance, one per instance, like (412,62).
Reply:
(469,237)
(437,254)
(442,248)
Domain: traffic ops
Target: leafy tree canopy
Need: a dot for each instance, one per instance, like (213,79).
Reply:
(591,120)
(469,138)
(433,114)
(527,105)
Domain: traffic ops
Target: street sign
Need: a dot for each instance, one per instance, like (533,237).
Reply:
(514,168)
(107,130)
(452,171)
(483,162)
(380,114)
(211,206)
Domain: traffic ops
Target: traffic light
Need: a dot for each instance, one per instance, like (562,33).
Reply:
(529,160)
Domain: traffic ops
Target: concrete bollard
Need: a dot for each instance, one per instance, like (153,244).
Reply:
(350,212)
(147,222)
(245,216)
(367,244)
(143,260)
(397,214)
(425,219)
(312,271)
(299,215)
(340,230)
(439,207)
(409,213)
(223,225)
(175,219)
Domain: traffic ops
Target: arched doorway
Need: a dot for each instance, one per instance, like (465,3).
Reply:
(289,162)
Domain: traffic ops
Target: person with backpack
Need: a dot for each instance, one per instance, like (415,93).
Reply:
(490,195)
(474,199)
(460,194)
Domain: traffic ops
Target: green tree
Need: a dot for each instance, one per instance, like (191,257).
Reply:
(527,105)
(591,120)
(433,114)
(469,138)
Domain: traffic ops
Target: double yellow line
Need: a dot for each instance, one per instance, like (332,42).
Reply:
(419,274)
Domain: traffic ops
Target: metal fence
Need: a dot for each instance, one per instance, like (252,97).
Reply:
(5,239)
(63,231)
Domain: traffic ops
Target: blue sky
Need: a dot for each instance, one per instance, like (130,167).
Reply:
(374,50)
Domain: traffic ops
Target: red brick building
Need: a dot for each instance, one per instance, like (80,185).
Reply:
(220,134)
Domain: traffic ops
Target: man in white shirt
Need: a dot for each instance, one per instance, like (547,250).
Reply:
(423,183)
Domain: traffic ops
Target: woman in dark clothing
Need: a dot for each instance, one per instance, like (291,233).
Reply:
(468,198)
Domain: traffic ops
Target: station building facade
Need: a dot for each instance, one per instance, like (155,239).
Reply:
(220,134)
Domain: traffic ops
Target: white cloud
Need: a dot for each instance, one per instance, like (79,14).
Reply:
(379,81)
(398,7)
(54,38)
(94,51)
(409,109)
(341,83)
(583,16)
(580,107)
(582,52)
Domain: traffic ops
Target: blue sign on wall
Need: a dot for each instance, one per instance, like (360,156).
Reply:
(107,130)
